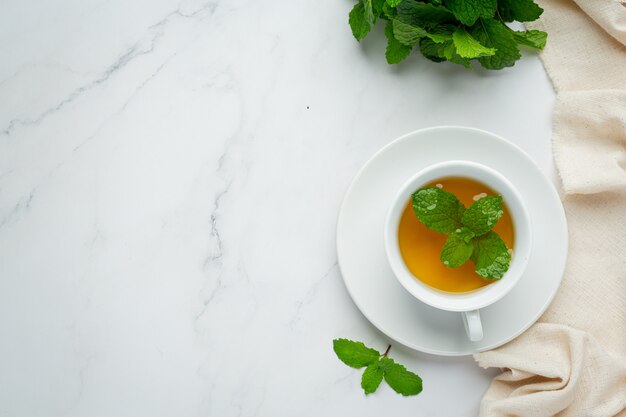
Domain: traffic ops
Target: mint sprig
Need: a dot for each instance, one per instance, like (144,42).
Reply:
(470,235)
(378,367)
(459,31)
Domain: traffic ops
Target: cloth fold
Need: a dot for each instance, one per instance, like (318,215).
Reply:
(589,140)
(572,362)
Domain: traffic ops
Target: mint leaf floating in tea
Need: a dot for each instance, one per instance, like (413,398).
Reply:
(483,215)
(465,233)
(470,235)
(491,256)
(438,209)
(378,367)
(456,251)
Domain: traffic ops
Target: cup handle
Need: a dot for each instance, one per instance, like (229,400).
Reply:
(473,325)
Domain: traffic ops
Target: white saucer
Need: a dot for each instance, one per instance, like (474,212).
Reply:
(368,276)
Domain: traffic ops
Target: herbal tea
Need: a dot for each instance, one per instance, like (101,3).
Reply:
(421,247)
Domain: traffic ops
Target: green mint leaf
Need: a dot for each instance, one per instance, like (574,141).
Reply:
(389,12)
(400,379)
(491,256)
(468,47)
(465,233)
(357,355)
(533,38)
(423,14)
(456,251)
(393,3)
(520,10)
(396,51)
(440,33)
(438,209)
(378,7)
(439,37)
(450,53)
(372,377)
(494,34)
(368,9)
(432,50)
(468,11)
(407,34)
(354,354)
(359,25)
(483,214)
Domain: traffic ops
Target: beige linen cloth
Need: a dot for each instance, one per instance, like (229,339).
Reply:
(572,362)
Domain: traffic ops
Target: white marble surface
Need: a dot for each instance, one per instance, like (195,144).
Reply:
(170,177)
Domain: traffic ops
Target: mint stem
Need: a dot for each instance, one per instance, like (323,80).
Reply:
(387,351)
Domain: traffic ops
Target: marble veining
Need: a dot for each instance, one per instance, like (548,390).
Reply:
(170,177)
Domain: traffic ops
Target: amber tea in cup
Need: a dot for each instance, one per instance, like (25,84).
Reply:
(420,246)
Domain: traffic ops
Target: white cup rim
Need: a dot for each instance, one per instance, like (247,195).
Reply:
(480,297)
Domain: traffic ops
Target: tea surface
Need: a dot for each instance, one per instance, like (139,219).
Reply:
(421,247)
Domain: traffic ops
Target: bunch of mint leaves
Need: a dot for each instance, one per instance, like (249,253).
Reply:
(469,230)
(377,367)
(457,31)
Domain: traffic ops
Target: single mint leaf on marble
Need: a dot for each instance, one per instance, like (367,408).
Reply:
(483,214)
(400,379)
(438,209)
(519,10)
(456,251)
(494,34)
(468,11)
(354,354)
(372,377)
(396,51)
(533,38)
(358,24)
(490,256)
(468,47)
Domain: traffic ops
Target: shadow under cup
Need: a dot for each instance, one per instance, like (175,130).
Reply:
(467,303)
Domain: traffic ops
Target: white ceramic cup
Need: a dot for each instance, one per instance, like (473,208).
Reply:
(468,303)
